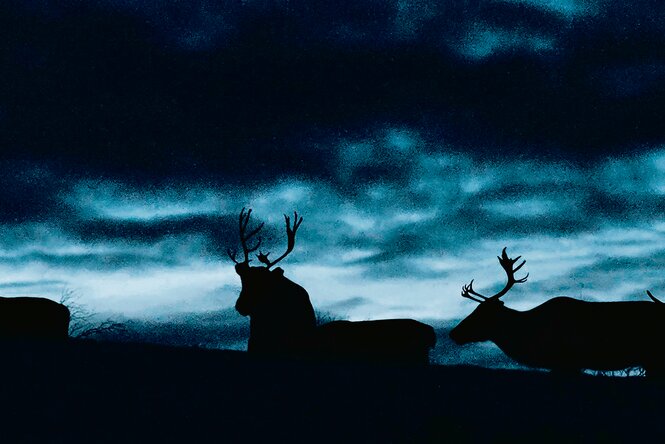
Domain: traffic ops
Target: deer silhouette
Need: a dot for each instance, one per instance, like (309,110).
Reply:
(33,318)
(283,322)
(565,334)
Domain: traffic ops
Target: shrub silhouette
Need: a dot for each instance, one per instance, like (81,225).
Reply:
(82,321)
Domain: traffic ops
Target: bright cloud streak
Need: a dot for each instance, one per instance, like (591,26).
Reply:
(113,201)
(482,41)
(568,8)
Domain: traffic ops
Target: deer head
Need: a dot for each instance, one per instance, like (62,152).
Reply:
(479,325)
(259,283)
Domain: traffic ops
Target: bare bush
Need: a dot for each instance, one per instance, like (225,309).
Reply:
(323,317)
(84,323)
(627,372)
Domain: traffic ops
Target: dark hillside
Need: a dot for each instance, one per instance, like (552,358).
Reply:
(94,392)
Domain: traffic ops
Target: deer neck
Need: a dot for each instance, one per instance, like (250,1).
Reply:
(513,334)
(509,325)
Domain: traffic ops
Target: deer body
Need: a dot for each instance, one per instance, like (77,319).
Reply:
(387,340)
(33,318)
(568,334)
(283,323)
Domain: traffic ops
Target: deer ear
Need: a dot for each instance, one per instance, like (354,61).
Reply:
(278,271)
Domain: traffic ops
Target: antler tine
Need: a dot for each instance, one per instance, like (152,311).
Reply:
(523,280)
(263,258)
(507,264)
(290,238)
(474,292)
(246,238)
(469,293)
(296,222)
(254,231)
(232,254)
(653,298)
(243,219)
(291,232)
(243,222)
(519,266)
(255,247)
(466,295)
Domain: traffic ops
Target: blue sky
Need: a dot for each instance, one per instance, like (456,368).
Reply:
(417,139)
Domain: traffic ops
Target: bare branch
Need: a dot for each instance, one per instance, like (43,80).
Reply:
(81,319)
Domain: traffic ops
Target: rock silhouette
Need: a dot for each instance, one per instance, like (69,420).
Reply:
(33,318)
(283,323)
(565,334)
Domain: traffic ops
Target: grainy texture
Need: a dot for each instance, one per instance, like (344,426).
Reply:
(86,391)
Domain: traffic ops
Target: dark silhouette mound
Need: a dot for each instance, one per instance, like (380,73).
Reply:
(389,340)
(33,318)
(566,334)
(91,392)
(283,323)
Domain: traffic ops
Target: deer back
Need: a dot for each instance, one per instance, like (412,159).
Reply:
(388,340)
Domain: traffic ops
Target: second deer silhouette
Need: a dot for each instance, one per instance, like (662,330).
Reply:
(33,318)
(283,323)
(566,334)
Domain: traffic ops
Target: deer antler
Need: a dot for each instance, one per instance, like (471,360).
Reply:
(291,240)
(243,221)
(469,293)
(654,298)
(507,264)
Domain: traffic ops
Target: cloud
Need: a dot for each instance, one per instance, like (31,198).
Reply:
(482,41)
(124,202)
(30,284)
(567,8)
(434,202)
(250,92)
(631,79)
(92,261)
(345,305)
(620,270)
(214,226)
(438,217)
(29,191)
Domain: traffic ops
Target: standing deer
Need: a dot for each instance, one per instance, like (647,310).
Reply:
(33,318)
(282,319)
(566,334)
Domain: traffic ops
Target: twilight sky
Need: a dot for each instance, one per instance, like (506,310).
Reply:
(417,138)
